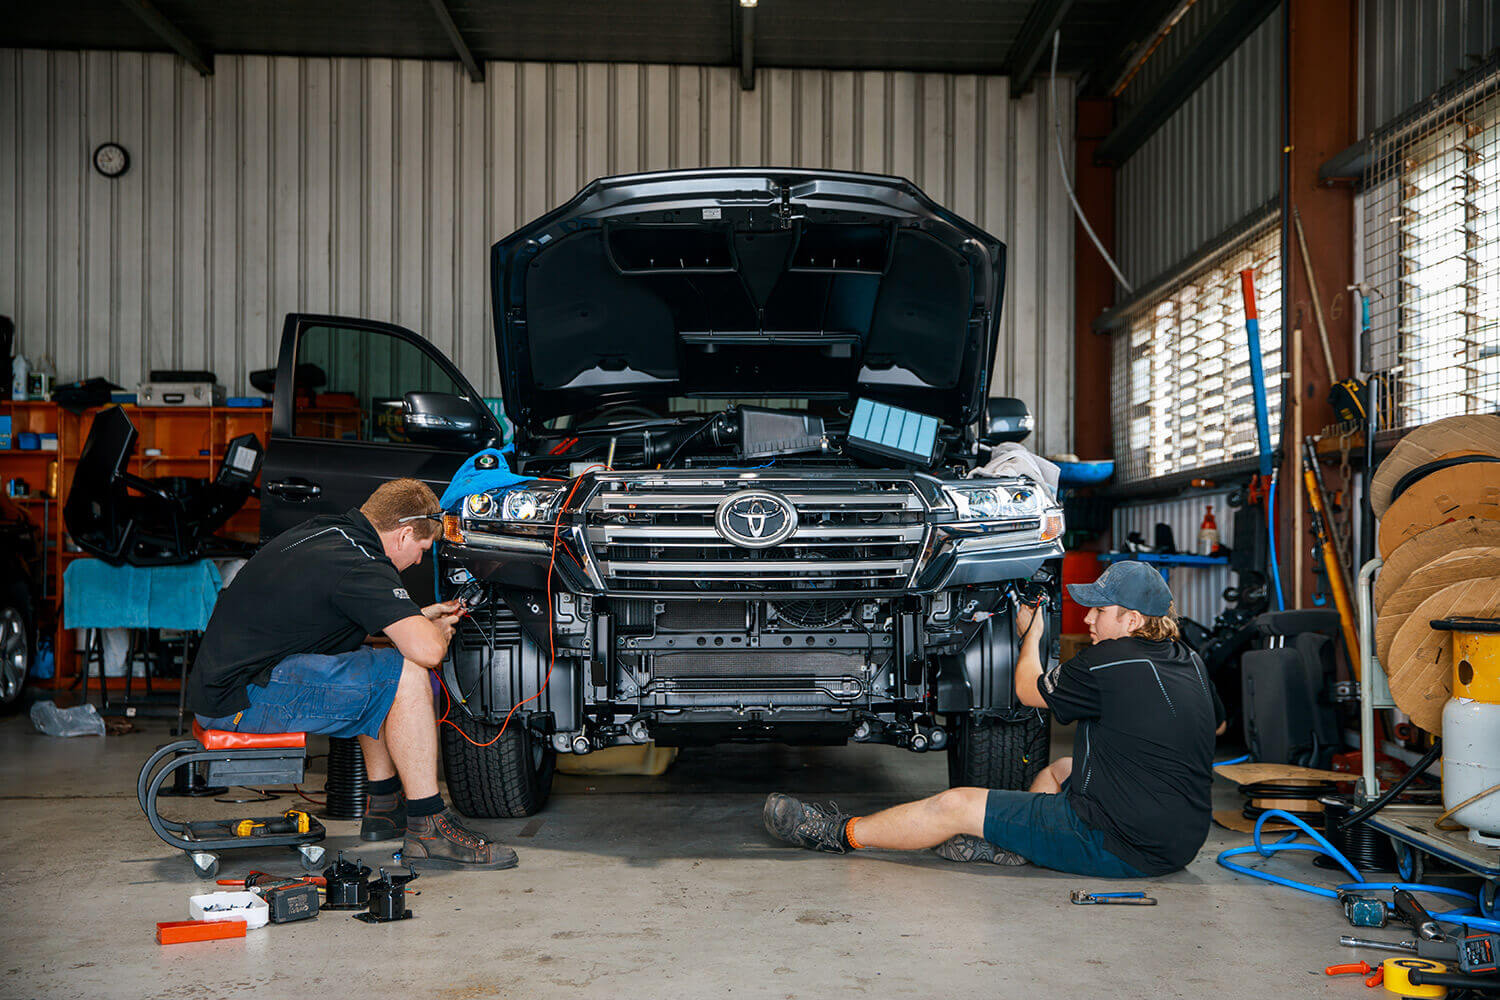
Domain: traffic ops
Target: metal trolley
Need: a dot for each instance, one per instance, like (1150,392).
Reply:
(1412,829)
(232,759)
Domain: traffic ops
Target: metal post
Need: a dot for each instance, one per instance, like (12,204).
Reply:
(1370,784)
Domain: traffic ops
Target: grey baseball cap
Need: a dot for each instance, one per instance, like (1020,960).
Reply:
(1129,584)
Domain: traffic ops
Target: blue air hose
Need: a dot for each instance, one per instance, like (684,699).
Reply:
(1271,544)
(1320,845)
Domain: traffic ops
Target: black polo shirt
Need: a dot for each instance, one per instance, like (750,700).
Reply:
(320,587)
(1143,753)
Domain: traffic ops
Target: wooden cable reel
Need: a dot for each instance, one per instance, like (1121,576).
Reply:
(1431,545)
(1420,665)
(1452,494)
(1478,434)
(1424,581)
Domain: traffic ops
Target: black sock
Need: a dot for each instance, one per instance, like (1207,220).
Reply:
(430,806)
(385,786)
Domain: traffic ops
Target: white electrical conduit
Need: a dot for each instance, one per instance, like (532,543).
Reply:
(1062,167)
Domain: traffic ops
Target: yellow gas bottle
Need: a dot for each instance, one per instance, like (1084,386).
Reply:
(1471,727)
(1398,977)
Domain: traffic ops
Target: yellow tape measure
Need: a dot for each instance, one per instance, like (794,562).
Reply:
(1398,977)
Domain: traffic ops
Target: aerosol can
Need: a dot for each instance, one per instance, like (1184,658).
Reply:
(1471,728)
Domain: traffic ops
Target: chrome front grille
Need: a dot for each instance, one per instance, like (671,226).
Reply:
(656,534)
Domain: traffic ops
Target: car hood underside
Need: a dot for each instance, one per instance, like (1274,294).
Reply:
(746,283)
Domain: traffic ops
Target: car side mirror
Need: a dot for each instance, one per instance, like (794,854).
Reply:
(441,419)
(1005,419)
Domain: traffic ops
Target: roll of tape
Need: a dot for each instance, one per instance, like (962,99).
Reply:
(1398,977)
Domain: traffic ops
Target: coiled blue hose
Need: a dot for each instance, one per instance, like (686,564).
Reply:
(1320,845)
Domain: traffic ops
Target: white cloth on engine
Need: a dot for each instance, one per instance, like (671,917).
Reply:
(1011,459)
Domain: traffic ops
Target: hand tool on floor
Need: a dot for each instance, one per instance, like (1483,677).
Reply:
(1349,969)
(289,897)
(1112,898)
(1421,947)
(1416,916)
(1364,911)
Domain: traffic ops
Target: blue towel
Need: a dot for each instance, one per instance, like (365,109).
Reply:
(98,595)
(481,472)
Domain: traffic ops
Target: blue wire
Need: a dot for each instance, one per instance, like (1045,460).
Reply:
(1320,845)
(1271,545)
(1234,760)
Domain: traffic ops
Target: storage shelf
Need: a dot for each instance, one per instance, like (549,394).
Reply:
(183,433)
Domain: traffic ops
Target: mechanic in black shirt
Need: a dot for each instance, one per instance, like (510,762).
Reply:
(1132,801)
(285,652)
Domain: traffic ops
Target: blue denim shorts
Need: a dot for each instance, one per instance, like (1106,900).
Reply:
(346,694)
(1046,831)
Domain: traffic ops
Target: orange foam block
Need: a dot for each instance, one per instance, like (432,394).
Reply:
(183,931)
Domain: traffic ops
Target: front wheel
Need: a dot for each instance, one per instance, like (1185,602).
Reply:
(989,753)
(496,778)
(16,646)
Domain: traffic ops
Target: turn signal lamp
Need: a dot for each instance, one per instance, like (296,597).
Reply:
(1052,525)
(452,532)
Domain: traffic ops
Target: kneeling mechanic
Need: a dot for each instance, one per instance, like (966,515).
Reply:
(1137,802)
(284,652)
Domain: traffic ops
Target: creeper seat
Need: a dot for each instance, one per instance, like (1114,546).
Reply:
(228,758)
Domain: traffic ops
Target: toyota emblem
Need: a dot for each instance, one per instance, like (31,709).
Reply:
(755,520)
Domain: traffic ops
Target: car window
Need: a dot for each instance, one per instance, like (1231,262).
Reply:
(365,373)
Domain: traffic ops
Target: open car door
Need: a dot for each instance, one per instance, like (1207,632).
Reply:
(359,403)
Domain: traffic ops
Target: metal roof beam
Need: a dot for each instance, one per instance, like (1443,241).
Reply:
(1044,18)
(476,71)
(184,46)
(1197,64)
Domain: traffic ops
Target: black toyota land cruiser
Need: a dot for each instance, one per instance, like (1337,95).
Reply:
(753,400)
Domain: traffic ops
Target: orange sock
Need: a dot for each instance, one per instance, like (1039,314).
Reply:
(849,833)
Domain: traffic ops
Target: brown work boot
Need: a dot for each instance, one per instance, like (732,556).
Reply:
(385,817)
(442,841)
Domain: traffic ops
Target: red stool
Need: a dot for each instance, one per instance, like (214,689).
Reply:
(247,759)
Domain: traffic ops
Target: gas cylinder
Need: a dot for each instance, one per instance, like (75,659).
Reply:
(1471,727)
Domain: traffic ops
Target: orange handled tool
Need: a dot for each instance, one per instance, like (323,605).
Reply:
(1376,979)
(1351,969)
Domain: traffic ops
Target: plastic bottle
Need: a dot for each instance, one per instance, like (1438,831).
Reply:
(1208,533)
(20,372)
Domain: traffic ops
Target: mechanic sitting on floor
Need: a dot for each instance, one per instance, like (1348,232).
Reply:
(284,652)
(1137,803)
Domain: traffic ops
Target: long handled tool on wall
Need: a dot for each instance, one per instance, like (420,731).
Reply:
(1338,583)
(1266,480)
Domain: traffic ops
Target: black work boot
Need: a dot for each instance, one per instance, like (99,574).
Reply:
(807,824)
(967,847)
(383,822)
(442,841)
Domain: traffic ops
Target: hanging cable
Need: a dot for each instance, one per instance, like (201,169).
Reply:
(1062,167)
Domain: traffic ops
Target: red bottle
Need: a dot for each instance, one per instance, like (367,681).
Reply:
(1208,533)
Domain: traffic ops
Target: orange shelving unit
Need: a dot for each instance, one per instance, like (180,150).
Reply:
(187,441)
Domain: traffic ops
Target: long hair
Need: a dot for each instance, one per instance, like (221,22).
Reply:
(1159,627)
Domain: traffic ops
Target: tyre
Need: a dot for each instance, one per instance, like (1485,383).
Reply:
(512,776)
(987,753)
(17,646)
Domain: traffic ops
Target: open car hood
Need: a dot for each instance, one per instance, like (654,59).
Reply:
(746,283)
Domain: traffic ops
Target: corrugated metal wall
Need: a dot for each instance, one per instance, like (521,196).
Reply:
(1413,47)
(375,188)
(1196,590)
(1211,164)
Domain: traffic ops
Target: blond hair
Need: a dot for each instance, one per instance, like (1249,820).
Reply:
(1159,627)
(401,498)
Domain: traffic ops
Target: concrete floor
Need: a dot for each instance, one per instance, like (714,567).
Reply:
(644,887)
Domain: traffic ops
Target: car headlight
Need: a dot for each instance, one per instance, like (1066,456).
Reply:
(994,501)
(527,505)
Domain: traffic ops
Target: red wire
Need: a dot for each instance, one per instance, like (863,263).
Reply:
(551,636)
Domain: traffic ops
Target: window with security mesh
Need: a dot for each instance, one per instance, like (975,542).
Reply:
(1181,388)
(1431,213)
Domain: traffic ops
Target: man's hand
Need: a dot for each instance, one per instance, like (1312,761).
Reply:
(1025,619)
(443,609)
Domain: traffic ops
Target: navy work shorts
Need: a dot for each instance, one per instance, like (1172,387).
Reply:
(346,694)
(1046,831)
